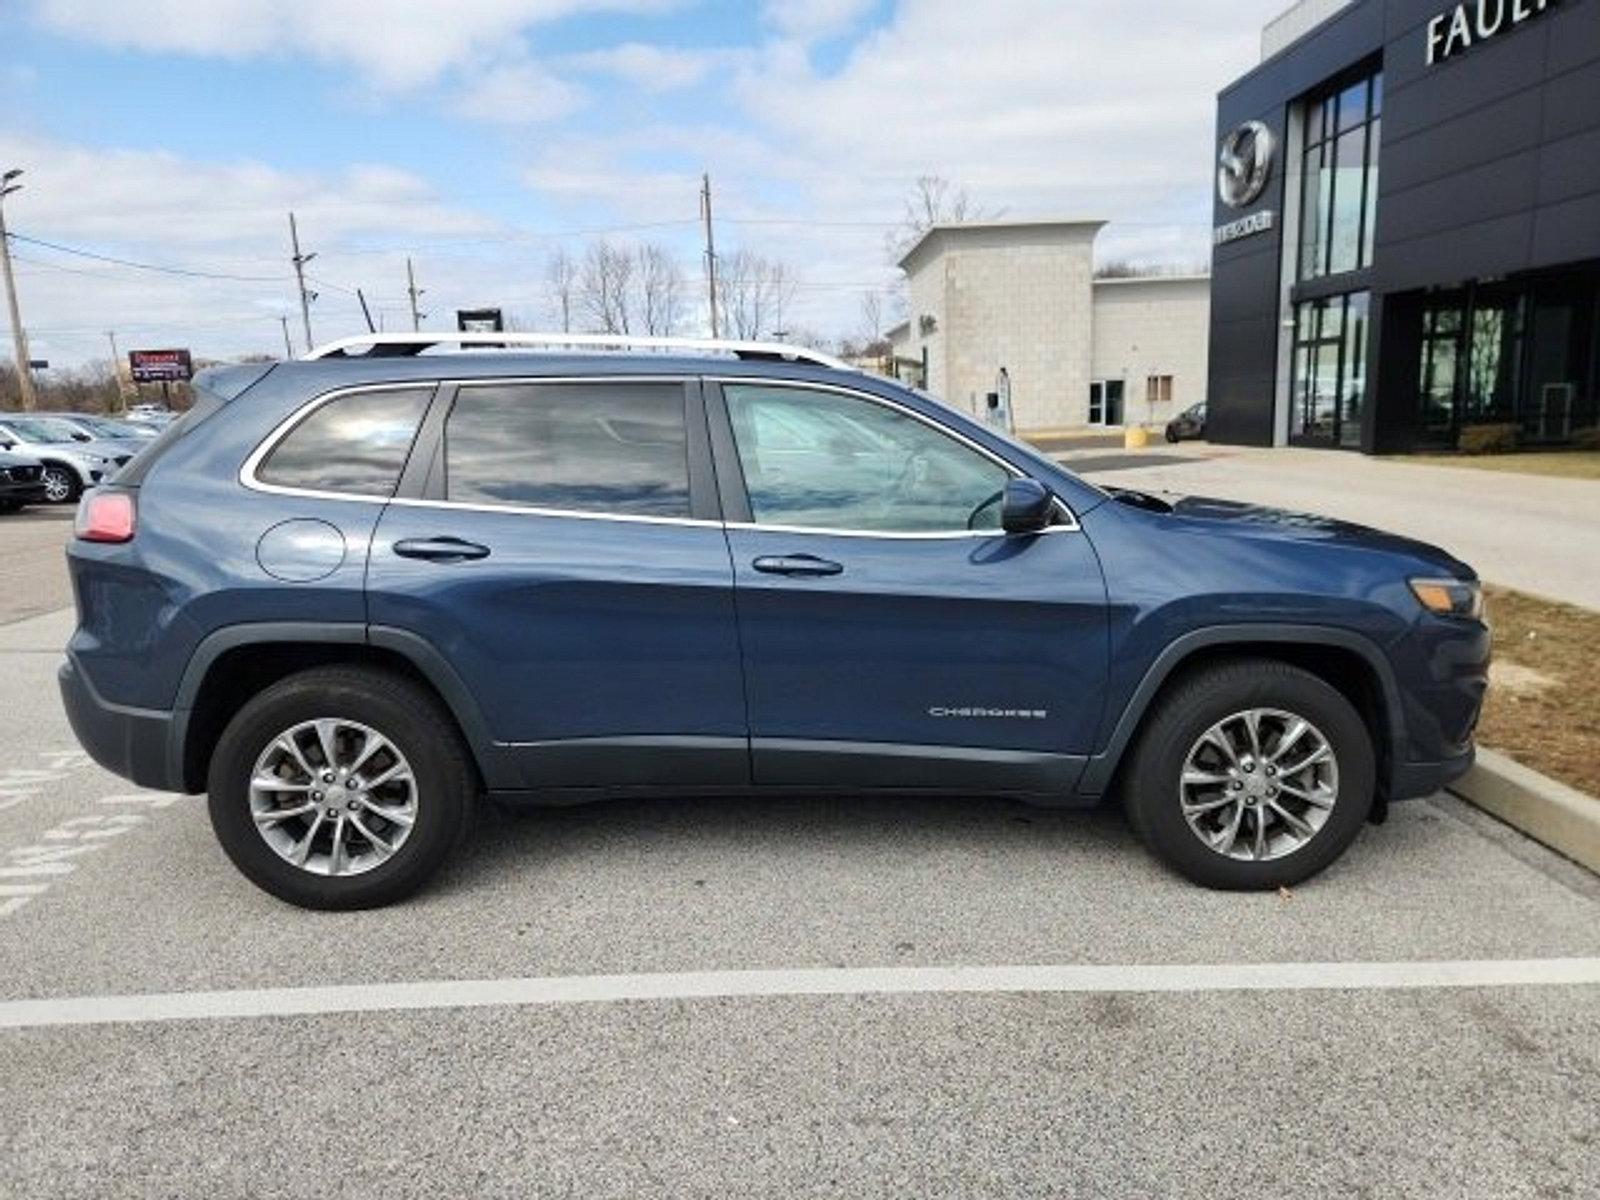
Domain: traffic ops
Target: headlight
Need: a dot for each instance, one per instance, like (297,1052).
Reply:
(1450,597)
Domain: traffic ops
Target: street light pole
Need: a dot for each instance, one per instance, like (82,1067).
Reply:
(19,336)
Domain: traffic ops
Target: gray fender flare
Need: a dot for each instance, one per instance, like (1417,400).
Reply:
(1102,767)
(493,760)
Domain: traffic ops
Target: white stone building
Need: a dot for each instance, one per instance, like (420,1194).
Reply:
(1020,297)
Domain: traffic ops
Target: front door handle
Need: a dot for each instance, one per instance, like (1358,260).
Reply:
(441,550)
(799,565)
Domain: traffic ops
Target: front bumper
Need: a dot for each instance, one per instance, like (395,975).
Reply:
(134,743)
(1413,780)
(21,493)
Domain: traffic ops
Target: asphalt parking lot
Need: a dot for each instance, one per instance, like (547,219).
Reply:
(723,998)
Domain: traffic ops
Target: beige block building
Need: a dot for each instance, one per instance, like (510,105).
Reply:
(1015,304)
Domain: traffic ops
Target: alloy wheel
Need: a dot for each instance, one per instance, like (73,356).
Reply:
(1259,785)
(57,486)
(333,797)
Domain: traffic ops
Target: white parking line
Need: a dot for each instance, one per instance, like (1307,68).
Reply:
(716,985)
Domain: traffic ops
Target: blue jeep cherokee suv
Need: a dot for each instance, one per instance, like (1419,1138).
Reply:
(348,596)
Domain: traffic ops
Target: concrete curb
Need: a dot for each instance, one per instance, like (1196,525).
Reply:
(1563,818)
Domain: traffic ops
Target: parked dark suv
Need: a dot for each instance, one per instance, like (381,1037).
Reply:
(348,596)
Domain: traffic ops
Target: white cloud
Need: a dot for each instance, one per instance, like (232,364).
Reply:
(653,68)
(516,93)
(812,20)
(392,43)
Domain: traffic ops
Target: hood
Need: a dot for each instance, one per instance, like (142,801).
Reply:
(94,449)
(1288,525)
(13,458)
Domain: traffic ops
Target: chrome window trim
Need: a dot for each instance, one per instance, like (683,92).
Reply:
(248,471)
(249,478)
(565,514)
(1062,508)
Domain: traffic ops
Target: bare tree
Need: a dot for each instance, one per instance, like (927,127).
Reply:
(661,291)
(872,317)
(604,286)
(561,276)
(934,200)
(753,294)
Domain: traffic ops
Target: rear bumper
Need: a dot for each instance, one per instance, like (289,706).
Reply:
(134,743)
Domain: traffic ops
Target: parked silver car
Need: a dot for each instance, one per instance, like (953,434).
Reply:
(73,461)
(127,434)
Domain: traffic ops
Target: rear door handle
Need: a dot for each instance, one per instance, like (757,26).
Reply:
(798,565)
(441,550)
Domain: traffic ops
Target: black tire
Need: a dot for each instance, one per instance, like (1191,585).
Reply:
(1172,436)
(411,718)
(1198,701)
(10,506)
(66,480)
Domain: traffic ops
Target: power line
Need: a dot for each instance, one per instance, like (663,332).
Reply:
(143,266)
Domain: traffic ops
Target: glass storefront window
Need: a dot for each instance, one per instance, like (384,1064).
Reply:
(1339,180)
(1520,353)
(1353,382)
(1329,381)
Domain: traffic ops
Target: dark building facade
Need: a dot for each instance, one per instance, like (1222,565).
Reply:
(1408,230)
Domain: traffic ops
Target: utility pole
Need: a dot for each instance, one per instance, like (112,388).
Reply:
(116,369)
(300,261)
(416,294)
(711,257)
(19,336)
(288,346)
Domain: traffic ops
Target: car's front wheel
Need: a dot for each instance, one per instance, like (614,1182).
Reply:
(340,788)
(61,486)
(1250,775)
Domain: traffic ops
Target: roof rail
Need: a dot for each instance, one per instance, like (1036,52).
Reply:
(404,345)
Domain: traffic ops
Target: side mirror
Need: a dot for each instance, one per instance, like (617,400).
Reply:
(1028,507)
(82,437)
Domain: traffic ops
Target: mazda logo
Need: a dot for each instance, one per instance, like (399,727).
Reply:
(1245,164)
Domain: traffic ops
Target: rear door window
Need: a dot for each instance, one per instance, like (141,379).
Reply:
(618,449)
(354,444)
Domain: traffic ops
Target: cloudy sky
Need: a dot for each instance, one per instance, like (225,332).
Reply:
(479,135)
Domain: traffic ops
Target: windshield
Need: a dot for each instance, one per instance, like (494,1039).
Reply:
(106,427)
(40,430)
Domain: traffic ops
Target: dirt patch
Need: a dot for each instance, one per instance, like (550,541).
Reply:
(1561,464)
(1544,703)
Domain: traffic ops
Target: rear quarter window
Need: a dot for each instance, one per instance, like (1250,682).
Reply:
(355,444)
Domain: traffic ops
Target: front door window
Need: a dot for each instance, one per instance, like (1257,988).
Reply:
(820,460)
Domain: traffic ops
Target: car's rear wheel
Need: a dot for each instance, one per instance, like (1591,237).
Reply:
(340,788)
(61,486)
(1252,774)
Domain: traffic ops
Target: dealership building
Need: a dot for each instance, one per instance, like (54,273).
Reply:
(1008,320)
(1407,227)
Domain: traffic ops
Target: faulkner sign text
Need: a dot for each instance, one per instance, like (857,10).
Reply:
(1475,21)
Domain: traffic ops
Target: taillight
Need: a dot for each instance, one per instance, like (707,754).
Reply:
(106,517)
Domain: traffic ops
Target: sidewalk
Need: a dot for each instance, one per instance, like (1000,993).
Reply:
(1535,534)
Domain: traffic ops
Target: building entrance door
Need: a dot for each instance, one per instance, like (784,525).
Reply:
(1106,402)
